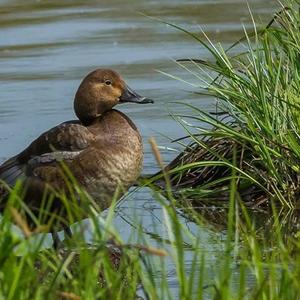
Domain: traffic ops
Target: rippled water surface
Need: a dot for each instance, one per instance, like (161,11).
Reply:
(47,47)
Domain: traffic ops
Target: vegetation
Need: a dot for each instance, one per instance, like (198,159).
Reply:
(257,259)
(249,265)
(256,120)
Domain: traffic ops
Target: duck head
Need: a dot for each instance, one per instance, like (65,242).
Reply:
(100,91)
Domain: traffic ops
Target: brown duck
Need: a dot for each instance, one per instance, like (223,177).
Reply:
(102,150)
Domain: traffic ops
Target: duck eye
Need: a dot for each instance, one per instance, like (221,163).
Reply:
(107,82)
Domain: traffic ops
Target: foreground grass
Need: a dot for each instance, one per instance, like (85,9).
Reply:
(250,265)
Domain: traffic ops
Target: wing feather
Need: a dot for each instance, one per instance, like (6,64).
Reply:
(61,143)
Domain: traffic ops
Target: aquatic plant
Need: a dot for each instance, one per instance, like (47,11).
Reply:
(248,265)
(256,118)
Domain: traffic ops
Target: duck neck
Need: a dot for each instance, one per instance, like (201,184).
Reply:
(87,109)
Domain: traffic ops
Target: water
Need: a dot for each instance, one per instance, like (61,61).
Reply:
(47,47)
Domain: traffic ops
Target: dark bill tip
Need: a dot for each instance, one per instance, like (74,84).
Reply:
(146,100)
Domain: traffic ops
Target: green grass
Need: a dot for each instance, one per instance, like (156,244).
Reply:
(258,113)
(253,262)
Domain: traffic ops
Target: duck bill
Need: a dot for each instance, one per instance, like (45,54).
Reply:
(131,96)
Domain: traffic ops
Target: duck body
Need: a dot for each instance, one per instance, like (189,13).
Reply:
(117,153)
(102,156)
(102,150)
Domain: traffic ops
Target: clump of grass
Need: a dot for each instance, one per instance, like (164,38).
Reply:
(258,115)
(245,267)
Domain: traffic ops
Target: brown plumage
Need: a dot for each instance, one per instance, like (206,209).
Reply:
(102,150)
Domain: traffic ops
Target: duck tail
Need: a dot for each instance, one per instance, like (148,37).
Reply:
(11,171)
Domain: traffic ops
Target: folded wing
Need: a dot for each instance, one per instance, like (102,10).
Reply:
(40,159)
